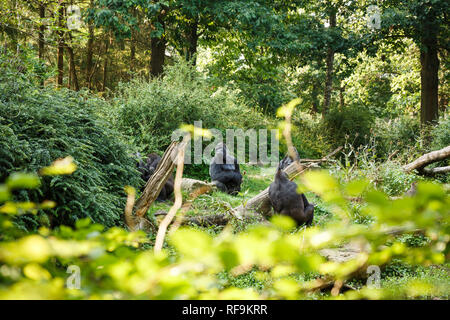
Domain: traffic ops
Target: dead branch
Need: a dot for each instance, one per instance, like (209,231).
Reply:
(135,220)
(158,179)
(428,158)
(177,190)
(438,170)
(191,185)
(393,154)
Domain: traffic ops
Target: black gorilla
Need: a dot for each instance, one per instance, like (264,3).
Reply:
(224,171)
(286,201)
(148,168)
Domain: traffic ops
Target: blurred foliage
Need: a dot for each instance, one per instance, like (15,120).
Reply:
(114,264)
(38,125)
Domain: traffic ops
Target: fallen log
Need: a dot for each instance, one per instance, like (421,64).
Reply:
(438,170)
(434,156)
(189,185)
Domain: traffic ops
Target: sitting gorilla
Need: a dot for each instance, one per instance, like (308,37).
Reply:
(286,201)
(148,168)
(224,171)
(287,160)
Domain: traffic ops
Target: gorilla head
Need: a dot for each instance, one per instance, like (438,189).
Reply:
(224,170)
(287,160)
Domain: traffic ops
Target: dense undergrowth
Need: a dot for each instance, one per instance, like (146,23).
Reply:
(39,125)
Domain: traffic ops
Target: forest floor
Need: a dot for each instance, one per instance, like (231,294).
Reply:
(256,179)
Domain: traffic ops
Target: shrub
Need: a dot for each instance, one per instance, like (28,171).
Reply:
(394,180)
(353,122)
(149,111)
(441,134)
(400,134)
(308,135)
(38,126)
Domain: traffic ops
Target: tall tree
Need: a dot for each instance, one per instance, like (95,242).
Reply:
(329,63)
(90,48)
(158,43)
(41,41)
(60,54)
(427,23)
(72,65)
(108,42)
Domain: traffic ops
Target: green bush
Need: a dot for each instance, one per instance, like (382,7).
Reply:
(400,134)
(309,135)
(441,134)
(351,124)
(394,180)
(38,126)
(150,111)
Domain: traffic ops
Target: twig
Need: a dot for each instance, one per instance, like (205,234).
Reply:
(178,196)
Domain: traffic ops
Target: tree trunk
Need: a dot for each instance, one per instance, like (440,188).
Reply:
(314,97)
(105,63)
(73,71)
(133,45)
(158,54)
(60,45)
(329,62)
(192,40)
(341,97)
(132,51)
(429,78)
(89,53)
(41,36)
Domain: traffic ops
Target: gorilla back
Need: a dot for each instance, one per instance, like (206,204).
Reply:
(224,171)
(286,201)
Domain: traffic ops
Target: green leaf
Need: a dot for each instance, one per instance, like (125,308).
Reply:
(356,187)
(283,222)
(5,194)
(60,166)
(19,180)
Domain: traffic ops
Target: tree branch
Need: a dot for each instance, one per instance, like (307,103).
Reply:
(428,158)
